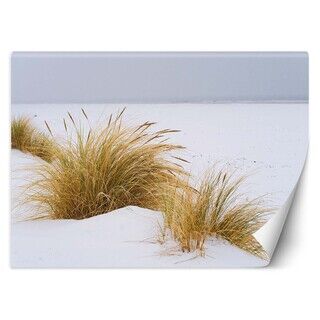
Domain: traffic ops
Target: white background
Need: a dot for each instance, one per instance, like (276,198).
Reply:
(289,286)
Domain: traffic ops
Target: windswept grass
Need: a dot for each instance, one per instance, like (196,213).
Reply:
(26,138)
(106,169)
(216,209)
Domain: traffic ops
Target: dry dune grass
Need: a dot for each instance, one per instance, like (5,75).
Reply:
(216,209)
(104,170)
(26,138)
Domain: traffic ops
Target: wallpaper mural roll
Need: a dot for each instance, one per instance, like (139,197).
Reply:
(157,160)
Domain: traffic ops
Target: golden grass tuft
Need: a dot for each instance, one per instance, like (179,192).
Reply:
(216,209)
(26,138)
(103,170)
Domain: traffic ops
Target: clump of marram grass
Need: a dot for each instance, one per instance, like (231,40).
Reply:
(103,170)
(21,133)
(26,138)
(216,209)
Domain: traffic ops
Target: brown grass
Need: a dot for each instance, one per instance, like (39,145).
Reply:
(26,138)
(216,209)
(106,169)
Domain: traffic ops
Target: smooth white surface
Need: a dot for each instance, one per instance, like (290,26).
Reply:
(287,288)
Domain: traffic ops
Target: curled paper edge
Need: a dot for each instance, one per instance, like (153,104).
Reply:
(269,234)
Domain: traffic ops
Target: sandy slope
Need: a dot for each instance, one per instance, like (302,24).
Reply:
(128,237)
(269,140)
(122,238)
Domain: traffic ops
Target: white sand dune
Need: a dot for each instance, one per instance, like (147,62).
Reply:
(267,140)
(127,237)
(123,238)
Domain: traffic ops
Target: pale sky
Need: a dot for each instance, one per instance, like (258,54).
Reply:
(158,77)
